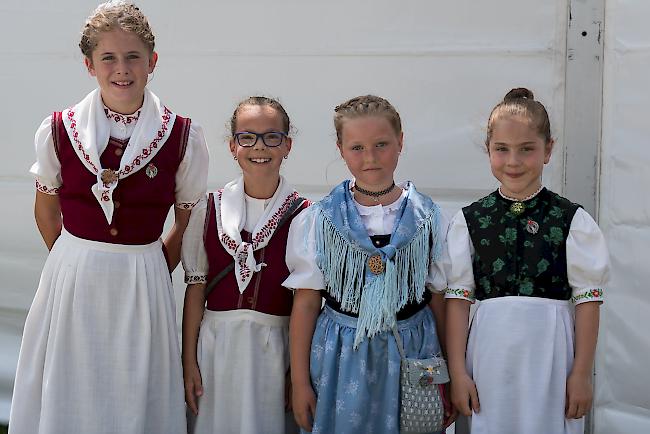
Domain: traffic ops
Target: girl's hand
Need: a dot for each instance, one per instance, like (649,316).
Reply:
(579,395)
(304,406)
(193,386)
(464,395)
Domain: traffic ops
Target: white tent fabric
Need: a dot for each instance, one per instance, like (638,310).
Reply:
(622,379)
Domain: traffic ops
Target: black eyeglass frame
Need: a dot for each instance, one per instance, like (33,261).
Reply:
(258,136)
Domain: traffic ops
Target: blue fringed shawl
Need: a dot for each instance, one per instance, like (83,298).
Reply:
(343,248)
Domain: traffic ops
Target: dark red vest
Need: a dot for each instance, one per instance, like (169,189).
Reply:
(141,203)
(264,292)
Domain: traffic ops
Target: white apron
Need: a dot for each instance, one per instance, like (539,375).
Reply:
(243,356)
(100,351)
(520,353)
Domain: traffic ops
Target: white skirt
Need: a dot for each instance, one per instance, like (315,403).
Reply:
(520,353)
(243,356)
(100,350)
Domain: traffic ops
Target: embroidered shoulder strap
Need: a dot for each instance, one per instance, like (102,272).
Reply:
(295,205)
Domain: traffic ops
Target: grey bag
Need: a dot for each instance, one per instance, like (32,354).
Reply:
(421,382)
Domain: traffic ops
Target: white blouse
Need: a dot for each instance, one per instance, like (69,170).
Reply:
(587,259)
(191,176)
(378,220)
(194,256)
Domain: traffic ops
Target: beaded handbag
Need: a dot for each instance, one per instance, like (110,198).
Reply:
(421,392)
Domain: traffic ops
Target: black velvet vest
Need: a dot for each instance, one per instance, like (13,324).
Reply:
(511,257)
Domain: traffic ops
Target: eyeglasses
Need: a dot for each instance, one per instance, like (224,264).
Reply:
(271,139)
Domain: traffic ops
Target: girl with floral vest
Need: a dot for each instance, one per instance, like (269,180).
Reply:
(535,264)
(100,351)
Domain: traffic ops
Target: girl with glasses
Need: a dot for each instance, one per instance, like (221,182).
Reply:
(100,349)
(372,249)
(236,313)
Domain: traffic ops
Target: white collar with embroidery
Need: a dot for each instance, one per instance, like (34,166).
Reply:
(88,128)
(120,118)
(230,222)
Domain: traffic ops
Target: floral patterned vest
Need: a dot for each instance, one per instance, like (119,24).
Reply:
(520,254)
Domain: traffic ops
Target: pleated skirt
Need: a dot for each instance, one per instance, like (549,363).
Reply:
(100,350)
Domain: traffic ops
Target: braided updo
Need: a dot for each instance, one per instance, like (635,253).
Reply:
(521,102)
(115,15)
(366,105)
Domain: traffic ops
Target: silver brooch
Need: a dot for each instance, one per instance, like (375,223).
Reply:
(532,226)
(151,170)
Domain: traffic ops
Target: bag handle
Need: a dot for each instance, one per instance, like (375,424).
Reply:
(398,340)
(295,205)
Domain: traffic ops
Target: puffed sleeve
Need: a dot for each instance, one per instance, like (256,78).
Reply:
(301,253)
(460,275)
(47,168)
(437,278)
(587,259)
(192,174)
(195,260)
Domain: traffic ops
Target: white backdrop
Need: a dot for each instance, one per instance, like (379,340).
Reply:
(443,64)
(623,382)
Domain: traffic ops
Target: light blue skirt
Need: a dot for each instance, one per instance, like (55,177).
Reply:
(358,390)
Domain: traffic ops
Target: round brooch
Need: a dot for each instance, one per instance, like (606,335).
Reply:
(517,208)
(532,226)
(109,176)
(375,264)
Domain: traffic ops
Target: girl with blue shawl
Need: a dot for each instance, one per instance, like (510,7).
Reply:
(373,250)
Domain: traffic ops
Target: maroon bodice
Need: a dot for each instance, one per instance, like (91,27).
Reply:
(141,201)
(264,292)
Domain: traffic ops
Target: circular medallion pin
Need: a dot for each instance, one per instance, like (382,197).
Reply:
(375,264)
(532,226)
(517,208)
(151,170)
(109,176)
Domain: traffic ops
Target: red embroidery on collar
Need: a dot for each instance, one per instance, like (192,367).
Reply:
(120,118)
(137,161)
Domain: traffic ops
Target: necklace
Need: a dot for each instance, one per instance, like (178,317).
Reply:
(517,207)
(375,194)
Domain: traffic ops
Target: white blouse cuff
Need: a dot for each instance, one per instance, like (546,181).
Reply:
(43,187)
(463,293)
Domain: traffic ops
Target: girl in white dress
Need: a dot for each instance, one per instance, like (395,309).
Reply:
(535,264)
(235,336)
(100,350)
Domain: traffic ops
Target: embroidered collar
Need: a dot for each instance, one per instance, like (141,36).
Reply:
(119,118)
(88,128)
(230,207)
